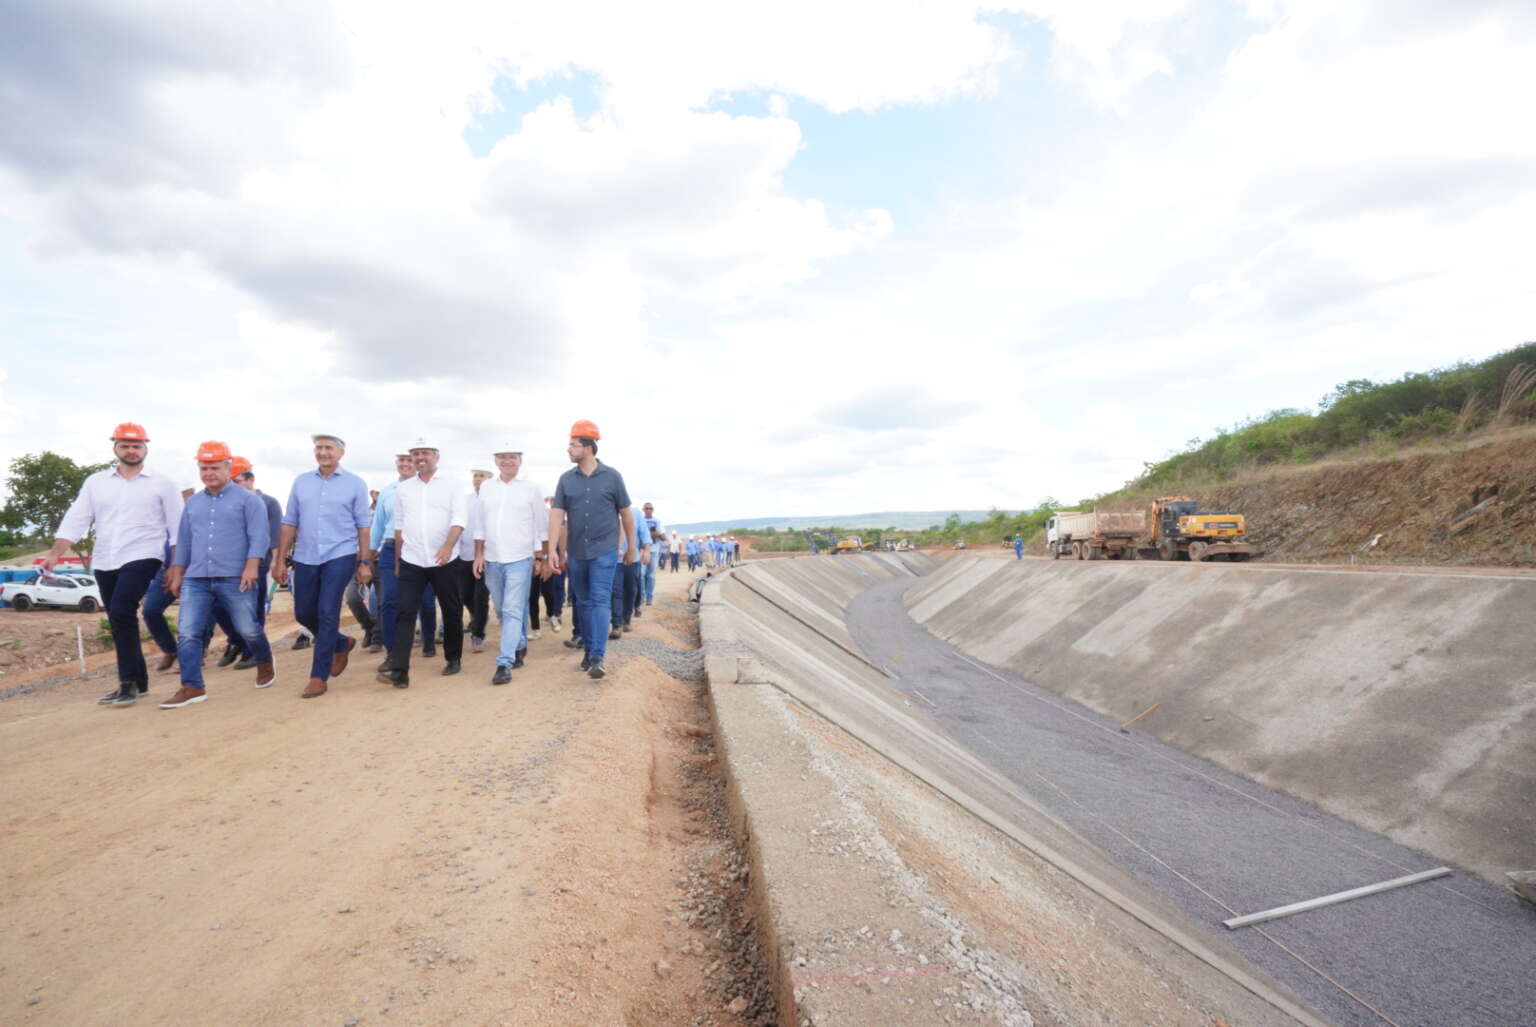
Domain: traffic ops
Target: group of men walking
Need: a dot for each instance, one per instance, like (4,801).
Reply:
(422,538)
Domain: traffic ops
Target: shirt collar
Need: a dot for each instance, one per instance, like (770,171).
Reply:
(144,472)
(337,473)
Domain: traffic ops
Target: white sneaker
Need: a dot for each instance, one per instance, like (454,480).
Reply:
(554,624)
(534,633)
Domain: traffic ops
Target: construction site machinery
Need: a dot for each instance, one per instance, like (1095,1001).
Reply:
(1180,530)
(1094,535)
(847,545)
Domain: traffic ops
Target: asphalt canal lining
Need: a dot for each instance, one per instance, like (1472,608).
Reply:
(1458,951)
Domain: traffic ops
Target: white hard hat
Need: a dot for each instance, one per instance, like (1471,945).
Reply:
(422,442)
(508,447)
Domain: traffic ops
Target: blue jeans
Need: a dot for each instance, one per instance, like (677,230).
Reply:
(317,592)
(199,596)
(591,594)
(389,601)
(221,618)
(156,601)
(508,584)
(648,575)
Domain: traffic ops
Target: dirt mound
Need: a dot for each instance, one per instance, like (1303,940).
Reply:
(1469,506)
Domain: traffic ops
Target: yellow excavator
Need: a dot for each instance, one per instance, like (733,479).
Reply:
(1180,530)
(851,544)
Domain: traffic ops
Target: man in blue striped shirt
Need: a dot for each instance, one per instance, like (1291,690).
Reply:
(328,516)
(219,545)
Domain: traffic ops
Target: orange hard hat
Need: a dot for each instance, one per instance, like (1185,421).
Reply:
(238,465)
(584,430)
(211,452)
(129,432)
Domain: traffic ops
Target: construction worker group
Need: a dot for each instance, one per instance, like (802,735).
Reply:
(421,542)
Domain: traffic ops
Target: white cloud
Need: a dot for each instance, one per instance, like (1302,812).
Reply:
(1204,209)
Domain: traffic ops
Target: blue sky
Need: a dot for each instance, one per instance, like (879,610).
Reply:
(964,255)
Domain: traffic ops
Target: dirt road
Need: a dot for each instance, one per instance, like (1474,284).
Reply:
(552,851)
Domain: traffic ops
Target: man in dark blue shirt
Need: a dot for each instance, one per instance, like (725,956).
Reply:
(219,545)
(590,504)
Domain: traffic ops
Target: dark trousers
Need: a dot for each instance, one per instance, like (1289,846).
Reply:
(626,592)
(317,592)
(553,592)
(674,562)
(389,603)
(414,581)
(360,600)
(156,601)
(474,594)
(121,592)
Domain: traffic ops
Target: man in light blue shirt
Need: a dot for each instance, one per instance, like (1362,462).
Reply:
(658,536)
(328,515)
(219,545)
(626,579)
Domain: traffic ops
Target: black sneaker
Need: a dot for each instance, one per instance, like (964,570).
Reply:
(429,651)
(398,678)
(450,668)
(246,663)
(111,697)
(127,697)
(376,647)
(230,655)
(596,670)
(572,643)
(502,676)
(586,663)
(302,642)
(517,661)
(614,634)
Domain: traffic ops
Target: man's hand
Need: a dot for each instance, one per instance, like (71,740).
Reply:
(248,578)
(173,580)
(631,555)
(553,563)
(479,567)
(280,572)
(544,570)
(364,573)
(444,555)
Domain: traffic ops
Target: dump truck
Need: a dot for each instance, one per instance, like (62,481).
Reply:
(1094,534)
(1173,528)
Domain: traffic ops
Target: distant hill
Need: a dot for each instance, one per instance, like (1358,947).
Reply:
(901,520)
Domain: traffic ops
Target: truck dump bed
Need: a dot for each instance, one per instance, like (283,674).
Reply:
(1101,524)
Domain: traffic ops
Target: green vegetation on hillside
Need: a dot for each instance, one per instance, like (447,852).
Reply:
(1448,402)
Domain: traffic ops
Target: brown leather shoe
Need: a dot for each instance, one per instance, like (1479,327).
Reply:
(265,674)
(165,663)
(184,697)
(344,646)
(315,689)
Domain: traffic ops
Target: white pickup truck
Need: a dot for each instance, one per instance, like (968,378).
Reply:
(72,590)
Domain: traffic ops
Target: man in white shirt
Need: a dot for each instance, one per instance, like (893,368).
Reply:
(511,536)
(431,513)
(135,513)
(472,590)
